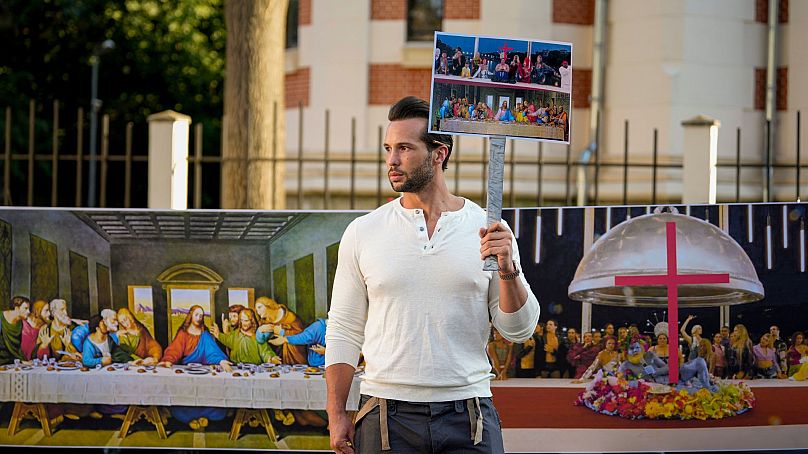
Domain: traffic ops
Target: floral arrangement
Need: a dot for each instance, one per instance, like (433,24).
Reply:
(637,399)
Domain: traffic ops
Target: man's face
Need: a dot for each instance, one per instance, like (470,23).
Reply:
(45,315)
(774,331)
(409,163)
(60,313)
(572,334)
(126,321)
(198,318)
(102,327)
(551,327)
(587,338)
(112,323)
(597,337)
(25,310)
(232,317)
(724,331)
(246,323)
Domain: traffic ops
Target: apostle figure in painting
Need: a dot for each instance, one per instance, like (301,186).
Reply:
(135,339)
(38,317)
(242,342)
(231,322)
(194,344)
(312,337)
(54,339)
(11,329)
(272,313)
(100,349)
(81,332)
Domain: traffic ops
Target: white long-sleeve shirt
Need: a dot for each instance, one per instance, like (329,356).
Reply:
(419,307)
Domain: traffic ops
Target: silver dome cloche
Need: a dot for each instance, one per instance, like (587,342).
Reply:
(638,247)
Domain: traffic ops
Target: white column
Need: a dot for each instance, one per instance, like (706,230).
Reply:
(700,155)
(168,160)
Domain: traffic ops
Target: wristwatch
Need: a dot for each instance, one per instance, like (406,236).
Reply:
(512,275)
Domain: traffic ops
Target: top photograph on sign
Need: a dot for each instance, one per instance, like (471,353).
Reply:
(496,86)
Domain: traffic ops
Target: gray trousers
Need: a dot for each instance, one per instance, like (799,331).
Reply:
(429,427)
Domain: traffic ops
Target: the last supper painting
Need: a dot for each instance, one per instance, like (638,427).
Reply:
(206,329)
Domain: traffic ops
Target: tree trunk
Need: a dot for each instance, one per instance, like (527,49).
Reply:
(254,126)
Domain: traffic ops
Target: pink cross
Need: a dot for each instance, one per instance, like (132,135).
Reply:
(505,48)
(672,280)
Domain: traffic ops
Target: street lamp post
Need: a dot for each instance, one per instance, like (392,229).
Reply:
(95,107)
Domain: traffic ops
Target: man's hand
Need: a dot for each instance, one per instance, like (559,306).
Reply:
(341,431)
(226,365)
(164,364)
(265,329)
(497,240)
(214,330)
(319,349)
(106,360)
(278,341)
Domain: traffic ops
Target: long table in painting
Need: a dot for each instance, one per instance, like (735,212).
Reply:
(251,393)
(540,415)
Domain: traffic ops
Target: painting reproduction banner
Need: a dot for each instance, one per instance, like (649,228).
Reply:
(497,86)
(173,344)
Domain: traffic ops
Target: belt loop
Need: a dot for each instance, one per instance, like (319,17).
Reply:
(385,434)
(478,437)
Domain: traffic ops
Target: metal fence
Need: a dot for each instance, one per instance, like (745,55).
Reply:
(123,168)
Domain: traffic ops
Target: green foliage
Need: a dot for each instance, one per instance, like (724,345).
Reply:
(168,55)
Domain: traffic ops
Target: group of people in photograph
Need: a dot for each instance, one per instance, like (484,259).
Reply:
(526,112)
(729,354)
(268,334)
(503,68)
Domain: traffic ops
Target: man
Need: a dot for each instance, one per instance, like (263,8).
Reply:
(231,322)
(11,329)
(566,76)
(243,345)
(99,347)
(194,344)
(81,332)
(725,341)
(55,338)
(38,318)
(313,337)
(410,294)
(780,347)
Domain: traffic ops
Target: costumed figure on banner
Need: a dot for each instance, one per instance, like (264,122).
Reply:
(642,364)
(582,354)
(606,361)
(500,352)
(528,360)
(38,318)
(194,344)
(797,354)
(780,347)
(11,329)
(270,312)
(766,361)
(555,352)
(740,358)
(136,341)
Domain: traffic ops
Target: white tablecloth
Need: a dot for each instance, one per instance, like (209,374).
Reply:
(166,387)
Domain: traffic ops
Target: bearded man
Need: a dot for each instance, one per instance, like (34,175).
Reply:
(80,333)
(54,339)
(242,342)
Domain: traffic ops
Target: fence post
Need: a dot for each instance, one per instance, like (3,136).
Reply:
(168,160)
(700,156)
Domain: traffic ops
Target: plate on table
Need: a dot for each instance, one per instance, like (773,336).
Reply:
(194,366)
(68,365)
(119,365)
(197,371)
(299,367)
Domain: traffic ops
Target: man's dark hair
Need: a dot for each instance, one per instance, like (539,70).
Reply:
(412,107)
(93,323)
(18,300)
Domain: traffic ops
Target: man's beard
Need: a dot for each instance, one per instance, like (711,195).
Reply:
(416,180)
(62,318)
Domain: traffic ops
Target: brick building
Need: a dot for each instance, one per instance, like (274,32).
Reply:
(664,62)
